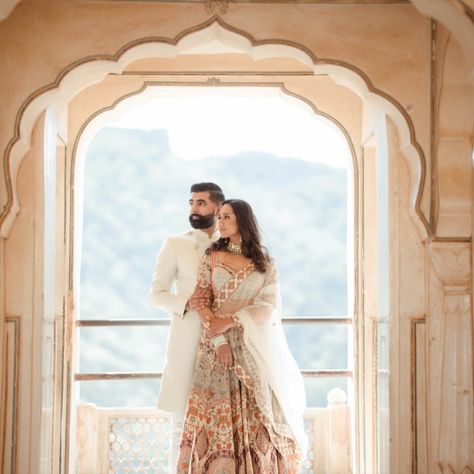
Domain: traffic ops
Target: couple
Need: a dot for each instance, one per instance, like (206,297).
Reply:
(228,366)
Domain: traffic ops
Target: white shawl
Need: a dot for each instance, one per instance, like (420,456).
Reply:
(266,342)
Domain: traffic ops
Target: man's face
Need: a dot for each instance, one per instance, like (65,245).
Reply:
(202,211)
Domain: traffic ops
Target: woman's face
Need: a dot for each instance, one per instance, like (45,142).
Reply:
(228,222)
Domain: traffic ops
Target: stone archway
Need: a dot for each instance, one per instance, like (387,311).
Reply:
(210,37)
(103,115)
(207,39)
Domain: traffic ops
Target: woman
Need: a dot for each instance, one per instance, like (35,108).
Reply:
(245,408)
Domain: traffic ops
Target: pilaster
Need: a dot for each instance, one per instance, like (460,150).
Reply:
(450,359)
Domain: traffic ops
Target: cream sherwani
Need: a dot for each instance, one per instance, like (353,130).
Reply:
(177,266)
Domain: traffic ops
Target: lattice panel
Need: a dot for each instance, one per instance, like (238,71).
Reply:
(140,445)
(308,463)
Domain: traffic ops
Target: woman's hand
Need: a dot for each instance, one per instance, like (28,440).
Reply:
(219,326)
(224,355)
(205,315)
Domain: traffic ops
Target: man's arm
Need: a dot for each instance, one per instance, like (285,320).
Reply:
(166,269)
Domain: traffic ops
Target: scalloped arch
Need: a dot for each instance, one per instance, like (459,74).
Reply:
(213,36)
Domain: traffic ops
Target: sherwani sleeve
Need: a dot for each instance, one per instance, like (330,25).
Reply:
(166,269)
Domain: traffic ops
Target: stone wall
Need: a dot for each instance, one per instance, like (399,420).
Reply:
(396,82)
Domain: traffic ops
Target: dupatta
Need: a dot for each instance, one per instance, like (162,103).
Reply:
(266,341)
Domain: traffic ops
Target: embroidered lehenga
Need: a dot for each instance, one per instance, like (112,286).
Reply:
(246,419)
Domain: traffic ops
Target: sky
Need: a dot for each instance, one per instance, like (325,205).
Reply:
(225,121)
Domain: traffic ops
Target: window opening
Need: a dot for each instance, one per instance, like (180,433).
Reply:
(293,167)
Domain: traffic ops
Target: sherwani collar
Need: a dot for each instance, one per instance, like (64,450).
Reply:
(203,236)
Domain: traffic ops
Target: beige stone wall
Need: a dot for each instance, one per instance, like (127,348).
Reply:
(426,95)
(452,138)
(41,42)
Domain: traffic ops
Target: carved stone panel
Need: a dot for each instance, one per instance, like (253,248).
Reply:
(450,356)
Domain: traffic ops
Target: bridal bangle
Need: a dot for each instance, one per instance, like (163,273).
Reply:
(218,341)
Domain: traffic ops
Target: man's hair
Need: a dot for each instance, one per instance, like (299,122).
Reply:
(215,192)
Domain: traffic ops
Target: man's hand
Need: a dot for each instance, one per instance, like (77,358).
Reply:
(197,303)
(219,326)
(224,355)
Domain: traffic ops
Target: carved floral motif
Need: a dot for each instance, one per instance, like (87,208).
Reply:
(448,469)
(452,265)
(213,5)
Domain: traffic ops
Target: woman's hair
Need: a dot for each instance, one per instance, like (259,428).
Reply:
(248,228)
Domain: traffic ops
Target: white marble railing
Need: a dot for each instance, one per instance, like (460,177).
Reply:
(135,440)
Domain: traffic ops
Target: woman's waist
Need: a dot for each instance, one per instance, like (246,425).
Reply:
(230,307)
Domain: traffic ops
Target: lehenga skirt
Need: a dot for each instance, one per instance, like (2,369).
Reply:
(225,431)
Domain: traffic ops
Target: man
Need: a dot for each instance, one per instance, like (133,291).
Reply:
(177,264)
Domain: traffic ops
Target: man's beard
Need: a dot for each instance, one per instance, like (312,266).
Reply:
(201,222)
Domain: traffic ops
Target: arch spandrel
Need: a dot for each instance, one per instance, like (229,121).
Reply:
(208,38)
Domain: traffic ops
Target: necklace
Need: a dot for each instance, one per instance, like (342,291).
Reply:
(236,249)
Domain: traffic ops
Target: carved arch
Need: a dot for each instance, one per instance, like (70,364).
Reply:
(203,38)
